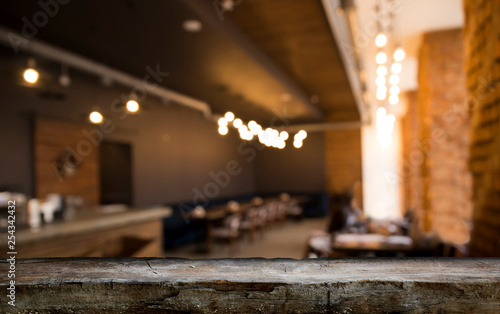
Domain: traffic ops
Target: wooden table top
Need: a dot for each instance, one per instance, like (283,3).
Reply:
(371,242)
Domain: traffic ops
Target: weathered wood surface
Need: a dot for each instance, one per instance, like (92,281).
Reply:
(156,285)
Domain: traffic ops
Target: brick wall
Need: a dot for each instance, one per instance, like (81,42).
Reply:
(482,38)
(438,183)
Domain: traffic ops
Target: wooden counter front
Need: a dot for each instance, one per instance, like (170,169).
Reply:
(136,233)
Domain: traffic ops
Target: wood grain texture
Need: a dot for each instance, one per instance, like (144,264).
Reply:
(297,36)
(256,285)
(51,139)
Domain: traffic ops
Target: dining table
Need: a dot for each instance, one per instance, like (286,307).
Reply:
(372,244)
(215,214)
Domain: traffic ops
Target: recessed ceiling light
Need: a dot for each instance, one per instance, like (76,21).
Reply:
(95,117)
(192,26)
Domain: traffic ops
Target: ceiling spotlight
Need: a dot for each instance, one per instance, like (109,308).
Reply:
(381,57)
(223,130)
(64,79)
(132,106)
(30,76)
(396,68)
(380,40)
(222,122)
(399,54)
(229,116)
(192,26)
(95,117)
(237,123)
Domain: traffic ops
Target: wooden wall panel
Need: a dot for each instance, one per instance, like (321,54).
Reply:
(52,138)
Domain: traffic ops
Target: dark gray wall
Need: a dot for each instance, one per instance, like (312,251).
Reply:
(174,148)
(292,169)
(176,152)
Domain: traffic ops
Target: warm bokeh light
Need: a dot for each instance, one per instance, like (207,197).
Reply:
(223,130)
(381,96)
(255,129)
(30,76)
(132,106)
(284,135)
(381,70)
(301,134)
(399,54)
(380,40)
(396,68)
(229,116)
(237,123)
(381,57)
(297,144)
(380,80)
(394,79)
(95,117)
(394,90)
(222,122)
(393,99)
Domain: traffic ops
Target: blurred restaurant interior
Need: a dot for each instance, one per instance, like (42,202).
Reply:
(250,128)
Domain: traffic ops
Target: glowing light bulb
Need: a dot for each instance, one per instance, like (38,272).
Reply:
(95,117)
(284,135)
(223,130)
(396,68)
(229,116)
(381,57)
(381,113)
(132,106)
(237,123)
(30,76)
(380,80)
(222,122)
(380,40)
(394,90)
(399,54)
(255,128)
(297,144)
(381,70)
(381,96)
(243,129)
(302,134)
(393,99)
(381,89)
(394,79)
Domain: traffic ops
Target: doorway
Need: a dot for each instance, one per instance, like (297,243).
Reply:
(116,173)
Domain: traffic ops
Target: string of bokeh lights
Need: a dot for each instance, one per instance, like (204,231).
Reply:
(269,137)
